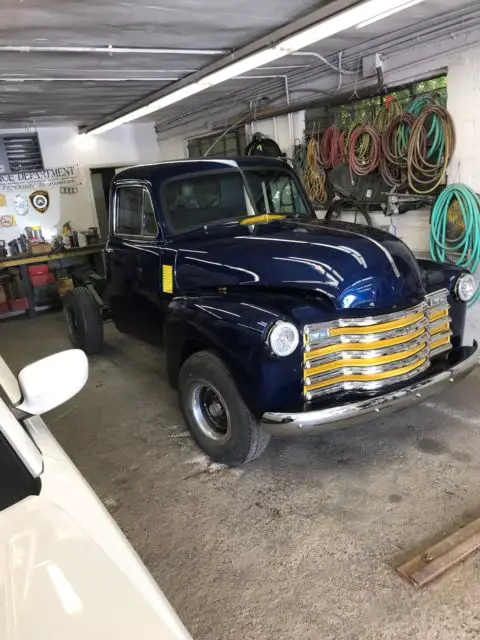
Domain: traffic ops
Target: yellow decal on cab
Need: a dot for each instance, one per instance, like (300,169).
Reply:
(167,278)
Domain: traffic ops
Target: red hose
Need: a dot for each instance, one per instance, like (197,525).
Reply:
(332,148)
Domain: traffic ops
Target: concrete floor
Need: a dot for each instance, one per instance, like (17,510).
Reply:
(299,544)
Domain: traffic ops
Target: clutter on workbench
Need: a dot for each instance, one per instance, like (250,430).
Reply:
(33,243)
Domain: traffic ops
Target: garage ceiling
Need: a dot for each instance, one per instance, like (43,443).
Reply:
(55,85)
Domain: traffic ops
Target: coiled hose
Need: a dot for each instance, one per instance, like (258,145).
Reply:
(314,178)
(390,109)
(467,244)
(363,150)
(395,139)
(332,147)
(429,152)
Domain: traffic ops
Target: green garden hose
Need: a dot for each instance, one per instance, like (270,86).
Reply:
(467,243)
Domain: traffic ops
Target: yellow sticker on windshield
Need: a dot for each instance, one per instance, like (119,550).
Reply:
(167,278)
(267,217)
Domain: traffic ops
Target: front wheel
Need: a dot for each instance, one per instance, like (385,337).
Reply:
(84,320)
(215,413)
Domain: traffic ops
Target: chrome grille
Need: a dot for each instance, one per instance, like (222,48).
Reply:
(366,354)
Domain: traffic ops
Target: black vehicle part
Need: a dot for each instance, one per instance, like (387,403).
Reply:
(260,145)
(85,276)
(370,187)
(215,413)
(335,210)
(84,320)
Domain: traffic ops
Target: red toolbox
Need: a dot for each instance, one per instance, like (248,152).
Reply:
(42,279)
(37,270)
(20,304)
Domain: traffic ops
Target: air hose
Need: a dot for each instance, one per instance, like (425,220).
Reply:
(467,243)
(332,147)
(314,178)
(389,110)
(363,150)
(395,138)
(429,152)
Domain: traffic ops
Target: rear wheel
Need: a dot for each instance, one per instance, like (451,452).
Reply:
(218,419)
(84,320)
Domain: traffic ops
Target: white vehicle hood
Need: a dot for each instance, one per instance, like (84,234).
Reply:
(58,583)
(67,572)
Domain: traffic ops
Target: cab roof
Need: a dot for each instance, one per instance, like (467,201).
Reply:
(161,171)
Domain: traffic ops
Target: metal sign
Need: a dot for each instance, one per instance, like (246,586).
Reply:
(49,178)
(40,200)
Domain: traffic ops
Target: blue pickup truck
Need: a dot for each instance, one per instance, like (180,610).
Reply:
(273,322)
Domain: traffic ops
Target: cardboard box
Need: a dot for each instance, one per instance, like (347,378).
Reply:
(42,247)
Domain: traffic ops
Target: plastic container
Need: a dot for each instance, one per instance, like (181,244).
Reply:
(42,280)
(21,304)
(37,270)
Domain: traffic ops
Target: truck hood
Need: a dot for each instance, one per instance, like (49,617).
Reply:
(352,265)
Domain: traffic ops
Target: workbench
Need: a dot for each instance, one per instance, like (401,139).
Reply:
(22,263)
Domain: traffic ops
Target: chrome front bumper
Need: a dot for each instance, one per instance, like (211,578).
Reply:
(322,420)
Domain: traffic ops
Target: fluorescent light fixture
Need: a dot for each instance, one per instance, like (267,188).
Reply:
(360,13)
(387,13)
(242,66)
(358,16)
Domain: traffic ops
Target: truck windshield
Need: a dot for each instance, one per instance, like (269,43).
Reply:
(275,191)
(200,200)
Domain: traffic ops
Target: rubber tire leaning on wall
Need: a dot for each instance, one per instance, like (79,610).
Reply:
(84,320)
(334,211)
(247,440)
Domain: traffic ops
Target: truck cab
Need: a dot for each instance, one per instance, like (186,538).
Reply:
(273,322)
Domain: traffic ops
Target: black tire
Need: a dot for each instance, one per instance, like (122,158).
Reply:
(84,320)
(334,211)
(243,439)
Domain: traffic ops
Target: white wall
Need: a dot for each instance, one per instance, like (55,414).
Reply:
(173,149)
(463,104)
(285,130)
(62,146)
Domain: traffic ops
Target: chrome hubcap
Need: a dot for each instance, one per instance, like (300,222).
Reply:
(210,411)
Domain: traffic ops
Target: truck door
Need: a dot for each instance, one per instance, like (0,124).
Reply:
(133,263)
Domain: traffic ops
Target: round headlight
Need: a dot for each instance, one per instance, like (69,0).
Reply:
(466,287)
(283,338)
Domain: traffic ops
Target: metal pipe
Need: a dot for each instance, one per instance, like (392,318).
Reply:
(26,48)
(344,72)
(87,79)
(310,103)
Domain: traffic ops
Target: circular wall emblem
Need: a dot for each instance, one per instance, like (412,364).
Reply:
(6,221)
(40,200)
(20,204)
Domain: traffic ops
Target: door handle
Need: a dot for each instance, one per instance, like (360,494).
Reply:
(109,249)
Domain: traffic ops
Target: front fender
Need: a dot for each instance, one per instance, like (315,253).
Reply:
(236,328)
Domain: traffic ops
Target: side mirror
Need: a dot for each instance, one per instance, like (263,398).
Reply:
(50,382)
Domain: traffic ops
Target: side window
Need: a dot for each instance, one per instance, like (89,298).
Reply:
(129,208)
(135,215)
(149,222)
